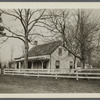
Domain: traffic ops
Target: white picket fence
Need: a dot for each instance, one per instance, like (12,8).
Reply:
(63,73)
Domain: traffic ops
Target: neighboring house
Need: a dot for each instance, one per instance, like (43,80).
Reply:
(47,56)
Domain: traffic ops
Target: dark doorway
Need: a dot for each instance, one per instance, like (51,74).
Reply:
(29,65)
(17,65)
(37,65)
(45,64)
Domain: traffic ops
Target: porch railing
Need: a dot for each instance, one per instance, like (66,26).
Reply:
(64,73)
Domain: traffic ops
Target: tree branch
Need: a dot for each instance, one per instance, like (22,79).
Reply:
(36,20)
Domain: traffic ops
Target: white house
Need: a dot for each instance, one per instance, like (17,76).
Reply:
(47,56)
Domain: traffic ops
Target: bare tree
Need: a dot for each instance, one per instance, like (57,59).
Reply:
(58,23)
(96,54)
(77,30)
(28,19)
(85,29)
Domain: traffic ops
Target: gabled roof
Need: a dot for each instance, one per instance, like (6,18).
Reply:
(44,49)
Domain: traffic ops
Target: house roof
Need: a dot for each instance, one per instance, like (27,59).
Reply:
(43,49)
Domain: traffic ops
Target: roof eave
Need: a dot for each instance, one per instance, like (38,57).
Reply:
(35,57)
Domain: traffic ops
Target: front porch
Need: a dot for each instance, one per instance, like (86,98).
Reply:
(39,62)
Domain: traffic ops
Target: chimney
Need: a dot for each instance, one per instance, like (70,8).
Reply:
(35,42)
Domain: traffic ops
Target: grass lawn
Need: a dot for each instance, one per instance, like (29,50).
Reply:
(25,84)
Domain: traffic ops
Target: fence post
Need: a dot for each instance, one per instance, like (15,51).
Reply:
(76,74)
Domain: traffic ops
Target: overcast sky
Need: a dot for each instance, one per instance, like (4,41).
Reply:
(17,44)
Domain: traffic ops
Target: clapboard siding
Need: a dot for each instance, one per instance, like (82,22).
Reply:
(64,59)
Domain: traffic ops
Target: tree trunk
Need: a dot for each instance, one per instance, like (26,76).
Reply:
(74,62)
(26,54)
(26,39)
(82,63)
(89,59)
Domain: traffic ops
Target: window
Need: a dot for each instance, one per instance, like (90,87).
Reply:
(57,64)
(60,51)
(71,67)
(71,64)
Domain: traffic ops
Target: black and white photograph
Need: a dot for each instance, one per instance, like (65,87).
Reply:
(49,50)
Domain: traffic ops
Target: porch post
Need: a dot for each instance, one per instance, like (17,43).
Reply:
(15,65)
(42,64)
(19,65)
(32,66)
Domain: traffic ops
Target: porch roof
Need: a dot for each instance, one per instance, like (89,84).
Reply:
(44,57)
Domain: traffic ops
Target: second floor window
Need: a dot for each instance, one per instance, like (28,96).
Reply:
(60,51)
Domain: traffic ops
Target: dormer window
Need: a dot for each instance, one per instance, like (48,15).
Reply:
(60,51)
